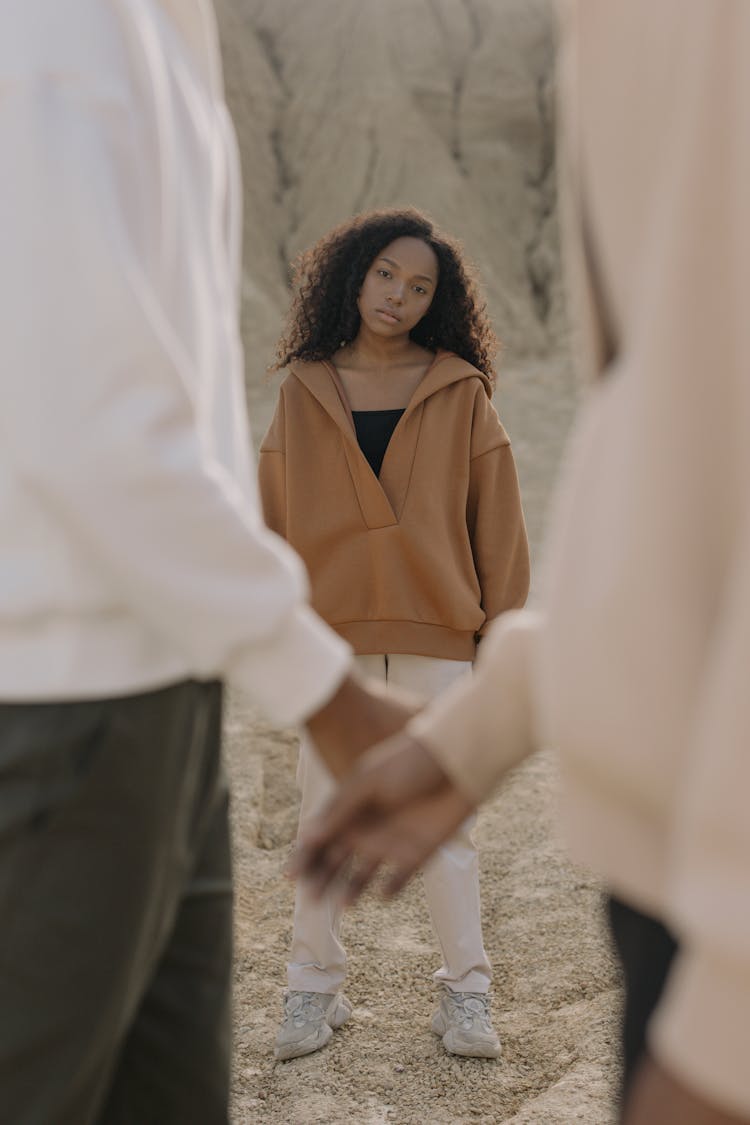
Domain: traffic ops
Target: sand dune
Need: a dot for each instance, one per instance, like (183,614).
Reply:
(343,105)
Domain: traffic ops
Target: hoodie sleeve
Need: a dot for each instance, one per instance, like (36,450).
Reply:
(272,470)
(495,517)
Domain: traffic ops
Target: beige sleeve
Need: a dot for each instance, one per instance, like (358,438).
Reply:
(484,725)
(665,184)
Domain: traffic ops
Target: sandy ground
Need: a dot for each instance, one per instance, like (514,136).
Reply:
(555,988)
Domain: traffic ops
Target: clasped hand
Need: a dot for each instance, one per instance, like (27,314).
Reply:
(392,811)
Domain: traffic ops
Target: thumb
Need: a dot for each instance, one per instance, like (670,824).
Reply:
(323,845)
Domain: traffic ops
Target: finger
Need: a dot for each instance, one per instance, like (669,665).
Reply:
(350,865)
(405,859)
(360,877)
(403,842)
(390,777)
(429,825)
(321,866)
(353,803)
(399,877)
(317,849)
(381,846)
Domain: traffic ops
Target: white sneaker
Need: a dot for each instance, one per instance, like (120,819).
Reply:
(309,1020)
(463,1022)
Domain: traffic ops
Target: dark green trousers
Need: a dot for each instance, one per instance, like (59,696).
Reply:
(115,911)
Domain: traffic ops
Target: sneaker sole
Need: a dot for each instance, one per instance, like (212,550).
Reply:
(307,1046)
(321,1037)
(341,1014)
(468,1049)
(488,1050)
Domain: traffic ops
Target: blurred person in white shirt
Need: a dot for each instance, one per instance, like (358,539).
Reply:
(136,573)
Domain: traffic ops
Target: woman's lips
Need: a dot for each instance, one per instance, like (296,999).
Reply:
(388,316)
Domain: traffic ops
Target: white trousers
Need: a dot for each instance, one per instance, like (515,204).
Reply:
(451,878)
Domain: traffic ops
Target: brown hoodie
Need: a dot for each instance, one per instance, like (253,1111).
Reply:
(421,559)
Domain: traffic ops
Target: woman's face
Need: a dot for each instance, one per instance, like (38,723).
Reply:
(398,287)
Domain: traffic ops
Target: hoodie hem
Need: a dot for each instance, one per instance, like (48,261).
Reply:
(411,638)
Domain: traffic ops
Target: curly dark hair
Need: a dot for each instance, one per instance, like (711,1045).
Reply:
(328,277)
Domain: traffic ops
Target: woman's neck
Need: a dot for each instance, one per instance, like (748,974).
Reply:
(379,353)
(375,351)
(378,374)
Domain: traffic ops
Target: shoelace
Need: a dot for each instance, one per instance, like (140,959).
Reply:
(466,1007)
(303,1007)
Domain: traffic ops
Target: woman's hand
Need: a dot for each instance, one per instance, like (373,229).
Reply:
(394,809)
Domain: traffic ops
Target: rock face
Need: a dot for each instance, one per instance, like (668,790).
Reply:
(343,105)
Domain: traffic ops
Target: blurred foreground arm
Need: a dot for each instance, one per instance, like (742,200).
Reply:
(359,714)
(664,183)
(659,176)
(409,795)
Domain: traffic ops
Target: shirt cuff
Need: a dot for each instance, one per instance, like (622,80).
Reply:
(482,726)
(294,674)
(701,1030)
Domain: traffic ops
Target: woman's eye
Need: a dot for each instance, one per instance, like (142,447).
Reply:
(419,289)
(384,273)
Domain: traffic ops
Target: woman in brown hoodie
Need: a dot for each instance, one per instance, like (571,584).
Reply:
(387,468)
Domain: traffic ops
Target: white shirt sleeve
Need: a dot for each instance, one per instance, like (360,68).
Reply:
(102,402)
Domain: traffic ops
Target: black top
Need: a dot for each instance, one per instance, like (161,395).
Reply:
(374,430)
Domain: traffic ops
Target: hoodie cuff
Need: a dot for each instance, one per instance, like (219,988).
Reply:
(292,675)
(701,1030)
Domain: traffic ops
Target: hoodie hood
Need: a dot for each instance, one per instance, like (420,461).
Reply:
(321,380)
(382,499)
(446,368)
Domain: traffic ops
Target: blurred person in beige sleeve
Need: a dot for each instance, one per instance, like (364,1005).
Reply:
(636,667)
